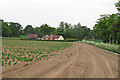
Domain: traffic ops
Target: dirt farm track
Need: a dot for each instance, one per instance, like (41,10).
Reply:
(86,61)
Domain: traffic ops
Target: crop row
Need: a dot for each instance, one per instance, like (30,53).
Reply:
(15,51)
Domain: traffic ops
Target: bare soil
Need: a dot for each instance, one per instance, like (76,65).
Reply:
(78,61)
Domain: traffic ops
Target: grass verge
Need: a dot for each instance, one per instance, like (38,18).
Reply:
(106,46)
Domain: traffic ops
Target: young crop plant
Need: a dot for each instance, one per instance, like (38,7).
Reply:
(40,53)
(5,60)
(26,59)
(15,63)
(40,58)
(25,49)
(37,59)
(36,56)
(32,58)
(13,58)
(18,58)
(71,54)
(2,63)
(9,63)
(8,57)
(44,56)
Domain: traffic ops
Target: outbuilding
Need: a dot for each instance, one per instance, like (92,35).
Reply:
(32,36)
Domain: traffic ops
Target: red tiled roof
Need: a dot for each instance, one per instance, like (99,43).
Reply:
(56,36)
(53,37)
(32,35)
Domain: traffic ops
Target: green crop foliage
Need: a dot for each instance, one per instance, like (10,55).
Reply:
(37,58)
(71,54)
(2,63)
(9,63)
(5,60)
(25,51)
(18,58)
(15,63)
(8,57)
(40,58)
(26,59)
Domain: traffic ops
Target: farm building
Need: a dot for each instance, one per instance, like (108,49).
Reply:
(32,36)
(52,37)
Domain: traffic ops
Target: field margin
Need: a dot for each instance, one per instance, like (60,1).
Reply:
(103,47)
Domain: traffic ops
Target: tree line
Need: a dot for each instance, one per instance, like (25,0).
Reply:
(11,29)
(108,27)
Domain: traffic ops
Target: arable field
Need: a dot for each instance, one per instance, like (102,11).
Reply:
(17,51)
(35,59)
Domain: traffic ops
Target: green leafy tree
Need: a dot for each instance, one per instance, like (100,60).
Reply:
(15,29)
(118,5)
(47,30)
(108,28)
(101,28)
(78,32)
(6,30)
(29,30)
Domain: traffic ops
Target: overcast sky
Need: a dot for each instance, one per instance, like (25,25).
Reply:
(38,12)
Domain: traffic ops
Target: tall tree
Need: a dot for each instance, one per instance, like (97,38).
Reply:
(78,32)
(62,26)
(101,28)
(15,29)
(108,28)
(46,29)
(6,30)
(1,21)
(29,30)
